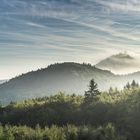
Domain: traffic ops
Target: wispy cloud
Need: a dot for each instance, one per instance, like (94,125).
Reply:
(47,31)
(126,5)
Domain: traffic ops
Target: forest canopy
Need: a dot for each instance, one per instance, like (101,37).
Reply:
(112,115)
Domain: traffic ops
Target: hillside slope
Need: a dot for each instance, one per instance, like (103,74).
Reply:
(2,81)
(67,77)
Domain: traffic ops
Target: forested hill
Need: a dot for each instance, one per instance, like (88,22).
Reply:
(68,77)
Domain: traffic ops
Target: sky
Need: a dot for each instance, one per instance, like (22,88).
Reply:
(36,33)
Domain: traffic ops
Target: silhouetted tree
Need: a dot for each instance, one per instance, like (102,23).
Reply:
(128,86)
(93,91)
(134,84)
(110,90)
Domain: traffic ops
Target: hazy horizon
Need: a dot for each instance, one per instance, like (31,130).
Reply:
(34,34)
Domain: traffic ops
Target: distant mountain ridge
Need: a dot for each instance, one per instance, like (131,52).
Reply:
(2,81)
(121,63)
(68,77)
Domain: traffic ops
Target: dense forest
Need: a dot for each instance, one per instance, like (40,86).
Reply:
(112,115)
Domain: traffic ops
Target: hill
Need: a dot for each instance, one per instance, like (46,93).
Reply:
(121,63)
(2,81)
(66,77)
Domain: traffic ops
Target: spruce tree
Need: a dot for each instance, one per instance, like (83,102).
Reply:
(93,91)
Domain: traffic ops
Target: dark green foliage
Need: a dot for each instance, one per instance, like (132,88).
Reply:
(92,93)
(114,116)
(128,86)
(132,85)
(68,132)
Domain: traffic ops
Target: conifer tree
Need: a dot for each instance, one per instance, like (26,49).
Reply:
(93,91)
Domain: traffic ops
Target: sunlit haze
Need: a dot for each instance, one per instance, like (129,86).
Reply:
(36,33)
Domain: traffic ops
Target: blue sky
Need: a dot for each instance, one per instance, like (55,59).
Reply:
(35,33)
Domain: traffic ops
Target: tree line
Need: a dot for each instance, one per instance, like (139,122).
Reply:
(110,115)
